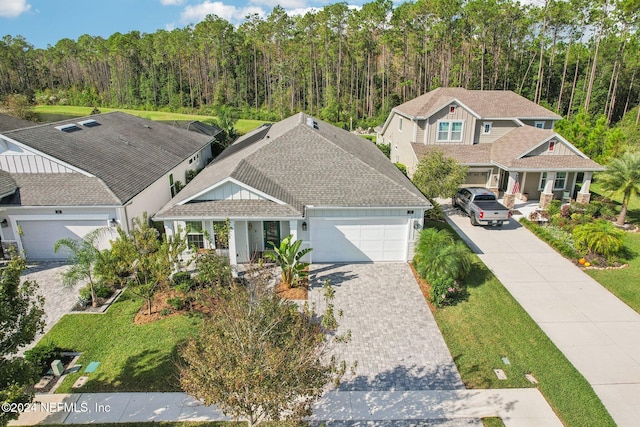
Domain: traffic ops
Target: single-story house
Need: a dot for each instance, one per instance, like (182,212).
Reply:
(333,190)
(507,142)
(65,179)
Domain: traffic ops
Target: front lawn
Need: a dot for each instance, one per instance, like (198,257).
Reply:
(488,325)
(132,357)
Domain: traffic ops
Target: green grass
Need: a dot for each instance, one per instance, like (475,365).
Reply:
(242,126)
(623,283)
(132,357)
(490,324)
(492,422)
(633,213)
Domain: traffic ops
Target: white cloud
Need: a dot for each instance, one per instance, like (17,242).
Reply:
(13,8)
(287,4)
(197,13)
(302,11)
(171,2)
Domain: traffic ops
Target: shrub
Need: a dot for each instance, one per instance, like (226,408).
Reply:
(402,168)
(434,214)
(600,237)
(183,282)
(102,291)
(554,207)
(42,355)
(444,292)
(177,303)
(213,270)
(565,249)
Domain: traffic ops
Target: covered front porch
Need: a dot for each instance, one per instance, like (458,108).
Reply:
(545,186)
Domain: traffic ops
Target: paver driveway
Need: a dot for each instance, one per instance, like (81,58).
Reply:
(395,339)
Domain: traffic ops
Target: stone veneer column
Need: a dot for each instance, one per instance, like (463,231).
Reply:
(509,200)
(547,193)
(584,196)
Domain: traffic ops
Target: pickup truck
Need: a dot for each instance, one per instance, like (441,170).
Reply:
(482,206)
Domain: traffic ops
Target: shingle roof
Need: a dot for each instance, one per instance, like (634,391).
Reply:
(196,126)
(8,123)
(309,165)
(7,184)
(60,189)
(231,208)
(486,103)
(128,153)
(478,154)
(507,152)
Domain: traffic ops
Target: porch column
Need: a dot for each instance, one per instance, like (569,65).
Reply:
(584,196)
(233,256)
(510,195)
(293,229)
(523,196)
(547,192)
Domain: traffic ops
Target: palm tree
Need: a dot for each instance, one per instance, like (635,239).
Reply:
(623,177)
(600,237)
(288,256)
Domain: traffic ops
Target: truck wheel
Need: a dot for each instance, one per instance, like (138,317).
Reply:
(473,219)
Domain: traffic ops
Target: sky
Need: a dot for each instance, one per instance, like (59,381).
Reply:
(45,22)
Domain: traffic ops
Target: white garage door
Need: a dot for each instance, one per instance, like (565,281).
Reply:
(39,237)
(349,240)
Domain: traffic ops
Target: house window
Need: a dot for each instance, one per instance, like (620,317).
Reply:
(539,125)
(559,183)
(552,145)
(195,235)
(400,123)
(450,131)
(172,185)
(486,128)
(452,109)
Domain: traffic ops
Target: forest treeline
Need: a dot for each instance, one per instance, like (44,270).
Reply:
(346,65)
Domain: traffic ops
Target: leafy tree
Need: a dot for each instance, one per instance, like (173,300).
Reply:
(439,176)
(20,106)
(84,256)
(21,318)
(145,258)
(257,356)
(600,237)
(288,256)
(622,177)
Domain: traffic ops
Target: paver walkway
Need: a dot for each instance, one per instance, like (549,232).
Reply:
(598,333)
(394,338)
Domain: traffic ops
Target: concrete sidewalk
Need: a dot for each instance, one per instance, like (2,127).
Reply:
(516,407)
(598,333)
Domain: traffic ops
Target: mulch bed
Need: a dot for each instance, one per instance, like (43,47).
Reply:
(424,287)
(300,292)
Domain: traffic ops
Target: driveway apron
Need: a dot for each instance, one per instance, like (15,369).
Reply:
(394,338)
(598,333)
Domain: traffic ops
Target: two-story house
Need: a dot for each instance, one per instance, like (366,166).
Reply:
(65,179)
(507,142)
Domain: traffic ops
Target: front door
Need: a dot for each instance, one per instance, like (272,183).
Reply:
(271,234)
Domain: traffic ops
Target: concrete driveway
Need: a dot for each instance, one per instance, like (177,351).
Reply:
(395,339)
(598,333)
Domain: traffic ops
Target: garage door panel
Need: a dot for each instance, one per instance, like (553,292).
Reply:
(39,237)
(359,240)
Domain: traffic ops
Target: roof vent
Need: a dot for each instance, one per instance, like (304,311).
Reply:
(312,123)
(72,127)
(89,123)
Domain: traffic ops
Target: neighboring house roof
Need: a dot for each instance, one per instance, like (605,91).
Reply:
(59,189)
(301,161)
(8,123)
(512,152)
(487,104)
(127,153)
(7,184)
(196,126)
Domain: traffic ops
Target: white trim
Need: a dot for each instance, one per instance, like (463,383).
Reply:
(541,188)
(46,156)
(518,122)
(538,122)
(449,102)
(233,181)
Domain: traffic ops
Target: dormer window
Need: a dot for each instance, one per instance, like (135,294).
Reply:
(486,128)
(552,145)
(539,125)
(452,109)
